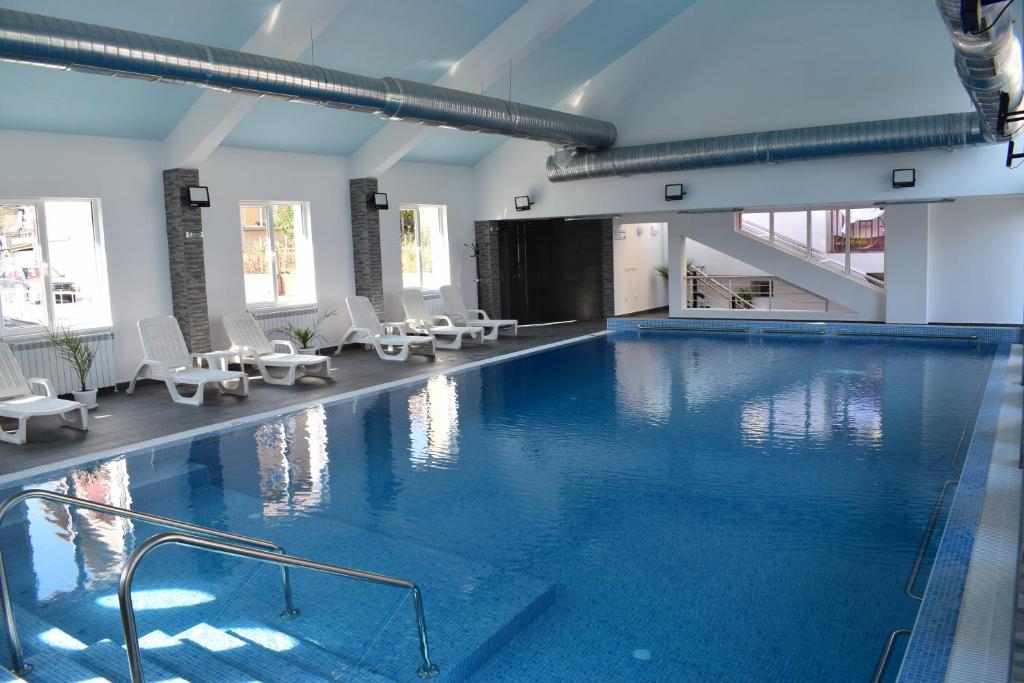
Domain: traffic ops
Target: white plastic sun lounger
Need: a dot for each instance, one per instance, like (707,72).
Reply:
(18,402)
(254,348)
(456,309)
(419,319)
(167,359)
(367,329)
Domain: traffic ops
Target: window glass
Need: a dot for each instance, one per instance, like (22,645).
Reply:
(410,248)
(424,247)
(74,266)
(23,298)
(51,266)
(277,255)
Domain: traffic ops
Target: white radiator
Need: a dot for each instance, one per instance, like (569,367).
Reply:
(434,302)
(39,359)
(271,321)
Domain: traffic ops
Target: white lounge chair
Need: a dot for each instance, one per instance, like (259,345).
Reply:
(17,401)
(254,348)
(456,309)
(167,359)
(419,319)
(367,329)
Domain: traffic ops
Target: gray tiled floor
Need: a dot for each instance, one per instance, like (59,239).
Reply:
(121,420)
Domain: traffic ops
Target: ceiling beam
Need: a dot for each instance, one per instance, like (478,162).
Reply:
(481,67)
(285,33)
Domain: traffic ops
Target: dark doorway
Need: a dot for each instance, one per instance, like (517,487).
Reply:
(552,270)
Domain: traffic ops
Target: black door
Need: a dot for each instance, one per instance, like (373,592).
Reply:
(551,270)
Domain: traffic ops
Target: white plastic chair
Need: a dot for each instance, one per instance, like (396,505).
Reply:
(17,400)
(253,347)
(456,309)
(167,359)
(367,329)
(419,319)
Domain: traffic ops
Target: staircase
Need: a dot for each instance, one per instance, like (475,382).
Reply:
(858,293)
(791,246)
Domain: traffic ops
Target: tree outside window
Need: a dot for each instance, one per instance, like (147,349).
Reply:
(277,259)
(424,246)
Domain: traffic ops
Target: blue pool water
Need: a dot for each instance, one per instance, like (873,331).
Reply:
(660,508)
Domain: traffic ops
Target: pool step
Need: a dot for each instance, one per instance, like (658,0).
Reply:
(253,651)
(246,655)
(347,630)
(110,659)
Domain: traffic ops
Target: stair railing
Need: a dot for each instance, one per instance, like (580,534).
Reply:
(18,664)
(801,250)
(716,286)
(427,669)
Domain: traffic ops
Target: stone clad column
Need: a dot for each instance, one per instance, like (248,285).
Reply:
(186,259)
(488,269)
(366,258)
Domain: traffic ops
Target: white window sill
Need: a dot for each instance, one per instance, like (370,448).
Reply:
(39,334)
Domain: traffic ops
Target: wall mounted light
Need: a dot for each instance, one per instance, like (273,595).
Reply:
(197,195)
(523,203)
(673,193)
(904,177)
(380,201)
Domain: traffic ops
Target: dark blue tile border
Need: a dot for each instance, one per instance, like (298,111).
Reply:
(928,652)
(999,335)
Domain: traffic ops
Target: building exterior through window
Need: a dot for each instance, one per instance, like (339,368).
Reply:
(277,254)
(52,266)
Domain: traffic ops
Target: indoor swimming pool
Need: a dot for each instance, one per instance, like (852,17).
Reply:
(641,507)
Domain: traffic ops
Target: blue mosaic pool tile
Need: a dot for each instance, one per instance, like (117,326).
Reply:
(930,644)
(998,335)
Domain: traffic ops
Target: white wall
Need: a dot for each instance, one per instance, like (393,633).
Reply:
(715,262)
(906,263)
(125,175)
(415,183)
(637,249)
(975,270)
(235,175)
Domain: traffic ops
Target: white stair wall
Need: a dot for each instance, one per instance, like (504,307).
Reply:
(717,230)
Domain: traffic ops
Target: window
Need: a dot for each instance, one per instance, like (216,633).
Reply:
(52,269)
(424,243)
(851,240)
(277,254)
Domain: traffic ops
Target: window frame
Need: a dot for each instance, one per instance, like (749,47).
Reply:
(102,277)
(442,219)
(268,230)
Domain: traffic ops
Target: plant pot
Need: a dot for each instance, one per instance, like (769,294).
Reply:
(308,352)
(86,398)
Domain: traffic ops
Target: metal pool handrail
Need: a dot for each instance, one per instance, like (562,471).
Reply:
(124,590)
(883,661)
(925,540)
(18,665)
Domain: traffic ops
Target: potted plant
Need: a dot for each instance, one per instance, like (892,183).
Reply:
(745,295)
(306,337)
(79,355)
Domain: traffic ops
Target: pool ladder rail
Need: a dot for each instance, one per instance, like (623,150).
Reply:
(926,541)
(202,538)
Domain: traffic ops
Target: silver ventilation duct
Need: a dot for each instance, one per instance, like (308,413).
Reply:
(848,139)
(988,61)
(47,41)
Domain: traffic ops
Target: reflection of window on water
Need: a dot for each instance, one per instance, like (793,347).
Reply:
(434,423)
(75,548)
(813,411)
(292,456)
